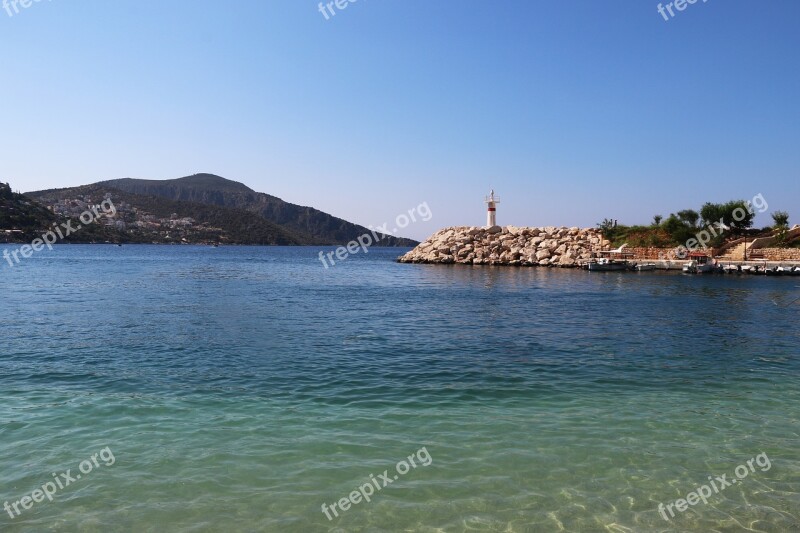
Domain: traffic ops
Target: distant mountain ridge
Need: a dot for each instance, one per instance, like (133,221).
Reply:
(200,188)
(203,208)
(215,190)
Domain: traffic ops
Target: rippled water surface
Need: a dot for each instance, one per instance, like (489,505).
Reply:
(240,389)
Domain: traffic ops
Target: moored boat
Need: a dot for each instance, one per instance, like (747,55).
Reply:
(605,264)
(699,263)
(612,260)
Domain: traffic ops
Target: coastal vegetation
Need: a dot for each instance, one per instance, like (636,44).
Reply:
(21,214)
(737,217)
(781,220)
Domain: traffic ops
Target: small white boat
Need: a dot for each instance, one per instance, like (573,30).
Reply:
(604,264)
(612,260)
(731,269)
(699,263)
(645,267)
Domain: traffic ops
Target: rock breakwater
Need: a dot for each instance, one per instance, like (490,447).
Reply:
(509,245)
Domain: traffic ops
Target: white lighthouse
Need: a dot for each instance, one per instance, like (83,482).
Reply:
(491,213)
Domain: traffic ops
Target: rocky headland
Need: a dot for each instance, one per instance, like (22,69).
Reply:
(509,245)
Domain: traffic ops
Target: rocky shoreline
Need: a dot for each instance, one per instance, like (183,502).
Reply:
(509,246)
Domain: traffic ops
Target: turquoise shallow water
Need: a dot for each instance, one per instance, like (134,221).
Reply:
(239,389)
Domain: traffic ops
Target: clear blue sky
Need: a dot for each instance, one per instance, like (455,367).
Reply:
(572,110)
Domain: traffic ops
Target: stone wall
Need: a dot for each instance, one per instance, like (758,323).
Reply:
(665,253)
(515,246)
(779,254)
(651,253)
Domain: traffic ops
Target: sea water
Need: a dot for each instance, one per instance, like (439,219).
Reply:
(243,388)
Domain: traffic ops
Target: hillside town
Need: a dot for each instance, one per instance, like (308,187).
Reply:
(24,217)
(127,216)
